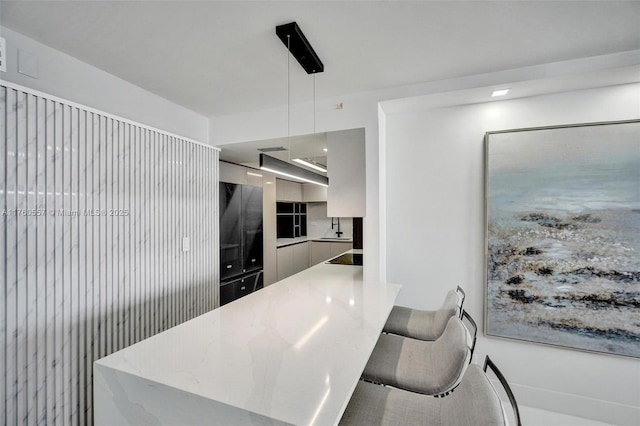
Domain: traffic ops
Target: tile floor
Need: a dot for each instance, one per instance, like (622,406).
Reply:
(536,417)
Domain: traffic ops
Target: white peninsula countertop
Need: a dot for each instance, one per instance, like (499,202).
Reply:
(291,353)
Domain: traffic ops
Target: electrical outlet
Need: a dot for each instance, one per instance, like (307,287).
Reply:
(3,54)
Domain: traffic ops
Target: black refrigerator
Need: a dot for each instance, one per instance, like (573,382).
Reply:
(240,241)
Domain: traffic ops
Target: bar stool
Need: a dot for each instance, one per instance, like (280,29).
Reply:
(474,402)
(425,325)
(431,368)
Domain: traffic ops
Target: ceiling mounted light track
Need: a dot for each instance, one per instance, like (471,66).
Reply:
(294,39)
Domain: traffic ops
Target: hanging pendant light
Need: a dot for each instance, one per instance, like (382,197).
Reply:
(298,45)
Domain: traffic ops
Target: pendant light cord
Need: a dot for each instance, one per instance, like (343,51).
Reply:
(314,104)
(288,86)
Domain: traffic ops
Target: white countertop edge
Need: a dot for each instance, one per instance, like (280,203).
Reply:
(284,242)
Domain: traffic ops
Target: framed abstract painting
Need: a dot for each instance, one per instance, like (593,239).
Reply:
(563,236)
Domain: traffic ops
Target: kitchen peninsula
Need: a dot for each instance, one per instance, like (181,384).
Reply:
(291,353)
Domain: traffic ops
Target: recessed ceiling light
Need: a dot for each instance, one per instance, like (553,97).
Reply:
(325,149)
(254,174)
(499,92)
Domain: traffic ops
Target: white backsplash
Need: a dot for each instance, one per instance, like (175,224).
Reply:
(319,225)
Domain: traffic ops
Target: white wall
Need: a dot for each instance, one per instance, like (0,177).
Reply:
(66,77)
(435,238)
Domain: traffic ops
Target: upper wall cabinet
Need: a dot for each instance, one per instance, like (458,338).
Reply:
(346,195)
(241,175)
(313,193)
(288,191)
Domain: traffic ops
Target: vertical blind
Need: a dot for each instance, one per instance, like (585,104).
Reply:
(109,235)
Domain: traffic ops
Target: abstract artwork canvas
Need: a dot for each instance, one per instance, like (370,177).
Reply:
(563,236)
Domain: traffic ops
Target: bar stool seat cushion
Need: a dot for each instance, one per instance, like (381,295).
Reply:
(473,403)
(430,368)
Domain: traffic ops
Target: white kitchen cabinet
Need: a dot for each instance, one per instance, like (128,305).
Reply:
(313,193)
(340,247)
(285,262)
(320,251)
(292,259)
(300,257)
(346,196)
(233,173)
(288,191)
(325,250)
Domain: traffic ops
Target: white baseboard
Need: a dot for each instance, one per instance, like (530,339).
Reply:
(579,406)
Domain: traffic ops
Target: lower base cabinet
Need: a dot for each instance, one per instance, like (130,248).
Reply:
(292,259)
(298,257)
(240,287)
(324,250)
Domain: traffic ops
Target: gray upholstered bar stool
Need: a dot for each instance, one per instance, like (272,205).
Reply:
(431,368)
(475,402)
(424,325)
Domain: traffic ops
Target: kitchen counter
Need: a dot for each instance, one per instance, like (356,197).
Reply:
(283,242)
(291,353)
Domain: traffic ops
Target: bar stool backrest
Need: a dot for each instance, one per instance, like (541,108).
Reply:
(488,364)
(461,296)
(451,355)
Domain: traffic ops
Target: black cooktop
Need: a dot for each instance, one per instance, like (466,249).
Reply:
(347,259)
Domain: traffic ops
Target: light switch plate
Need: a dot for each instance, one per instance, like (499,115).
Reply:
(186,244)
(3,54)
(27,63)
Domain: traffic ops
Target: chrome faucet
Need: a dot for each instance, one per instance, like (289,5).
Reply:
(337,220)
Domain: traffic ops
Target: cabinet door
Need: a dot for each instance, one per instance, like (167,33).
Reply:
(230,230)
(288,191)
(313,193)
(252,227)
(320,251)
(239,288)
(285,262)
(338,248)
(300,257)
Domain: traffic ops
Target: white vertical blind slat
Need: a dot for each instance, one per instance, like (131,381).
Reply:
(81,260)
(4,147)
(41,265)
(49,244)
(22,290)
(31,195)
(74,305)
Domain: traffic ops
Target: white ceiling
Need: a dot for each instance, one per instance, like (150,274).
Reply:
(217,57)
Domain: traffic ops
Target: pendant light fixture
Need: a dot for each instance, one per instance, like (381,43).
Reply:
(274,165)
(297,44)
(293,37)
